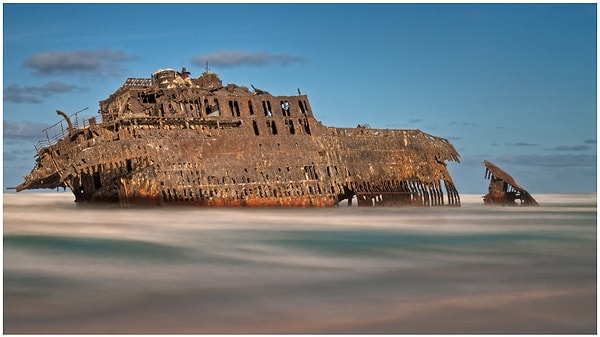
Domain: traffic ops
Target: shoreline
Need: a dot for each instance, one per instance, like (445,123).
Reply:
(468,201)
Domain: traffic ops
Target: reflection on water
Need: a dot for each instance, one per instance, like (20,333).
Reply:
(473,269)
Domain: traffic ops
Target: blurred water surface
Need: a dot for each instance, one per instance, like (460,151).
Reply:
(473,269)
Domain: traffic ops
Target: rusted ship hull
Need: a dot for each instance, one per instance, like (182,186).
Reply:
(178,151)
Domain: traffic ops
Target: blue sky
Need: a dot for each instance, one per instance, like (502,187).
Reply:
(514,84)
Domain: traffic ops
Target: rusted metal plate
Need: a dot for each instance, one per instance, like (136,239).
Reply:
(173,139)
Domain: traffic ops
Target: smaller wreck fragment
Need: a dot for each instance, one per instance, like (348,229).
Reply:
(503,189)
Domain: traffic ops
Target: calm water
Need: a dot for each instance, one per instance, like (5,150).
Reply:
(473,269)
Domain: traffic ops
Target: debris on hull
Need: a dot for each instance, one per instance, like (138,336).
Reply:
(503,189)
(171,139)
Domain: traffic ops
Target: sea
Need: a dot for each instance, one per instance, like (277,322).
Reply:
(473,269)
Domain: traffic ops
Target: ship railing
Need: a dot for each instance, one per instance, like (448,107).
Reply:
(138,82)
(97,119)
(48,141)
(59,130)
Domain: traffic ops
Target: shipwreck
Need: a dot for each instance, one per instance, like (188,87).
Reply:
(174,139)
(503,189)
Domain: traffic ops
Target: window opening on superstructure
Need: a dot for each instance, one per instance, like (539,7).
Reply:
(285,108)
(212,110)
(236,107)
(310,172)
(148,98)
(217,105)
(207,109)
(306,127)
(250,108)
(271,125)
(290,124)
(255,126)
(161,110)
(301,107)
(198,106)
